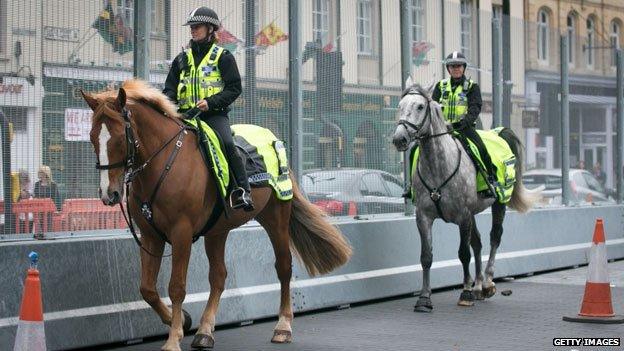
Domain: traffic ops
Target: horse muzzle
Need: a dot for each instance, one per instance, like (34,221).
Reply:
(400,141)
(110,198)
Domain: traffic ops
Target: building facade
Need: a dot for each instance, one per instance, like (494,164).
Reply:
(87,45)
(594,30)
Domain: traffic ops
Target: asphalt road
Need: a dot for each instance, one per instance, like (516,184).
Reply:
(528,319)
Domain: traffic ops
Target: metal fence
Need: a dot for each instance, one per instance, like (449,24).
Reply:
(351,78)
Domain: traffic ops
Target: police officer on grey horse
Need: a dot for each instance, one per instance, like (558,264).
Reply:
(460,99)
(205,76)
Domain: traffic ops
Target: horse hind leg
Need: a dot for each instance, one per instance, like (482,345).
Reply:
(466,298)
(275,220)
(215,250)
(498,215)
(475,243)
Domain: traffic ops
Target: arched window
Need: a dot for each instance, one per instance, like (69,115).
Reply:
(591,39)
(614,38)
(571,37)
(542,35)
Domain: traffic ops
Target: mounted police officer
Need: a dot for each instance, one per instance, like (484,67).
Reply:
(205,76)
(460,98)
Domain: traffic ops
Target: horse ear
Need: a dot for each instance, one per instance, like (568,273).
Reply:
(409,82)
(92,102)
(430,88)
(120,103)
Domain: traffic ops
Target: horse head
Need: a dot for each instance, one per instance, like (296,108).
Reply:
(414,121)
(112,139)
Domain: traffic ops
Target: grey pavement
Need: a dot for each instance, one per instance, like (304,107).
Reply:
(528,319)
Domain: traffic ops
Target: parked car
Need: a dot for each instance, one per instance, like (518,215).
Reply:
(353,191)
(584,187)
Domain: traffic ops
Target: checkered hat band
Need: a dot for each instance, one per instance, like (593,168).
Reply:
(203,19)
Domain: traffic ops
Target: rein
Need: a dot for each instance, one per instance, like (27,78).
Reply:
(132,144)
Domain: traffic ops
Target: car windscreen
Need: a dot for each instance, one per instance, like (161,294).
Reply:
(550,182)
(327,182)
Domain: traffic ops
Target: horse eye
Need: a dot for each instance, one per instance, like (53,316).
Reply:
(420,107)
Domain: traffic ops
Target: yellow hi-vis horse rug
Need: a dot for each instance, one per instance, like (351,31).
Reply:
(263,155)
(502,157)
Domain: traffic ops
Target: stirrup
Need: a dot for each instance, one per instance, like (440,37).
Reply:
(243,200)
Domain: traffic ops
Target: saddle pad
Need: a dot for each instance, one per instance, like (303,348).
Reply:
(502,157)
(265,158)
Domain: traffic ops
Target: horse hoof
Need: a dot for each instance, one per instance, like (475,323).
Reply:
(466,298)
(423,305)
(202,342)
(188,321)
(489,292)
(281,337)
(478,294)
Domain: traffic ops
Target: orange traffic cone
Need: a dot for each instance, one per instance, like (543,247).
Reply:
(30,332)
(596,306)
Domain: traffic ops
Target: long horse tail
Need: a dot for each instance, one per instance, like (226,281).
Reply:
(522,199)
(320,246)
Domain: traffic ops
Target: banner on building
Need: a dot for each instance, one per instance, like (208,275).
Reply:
(77,124)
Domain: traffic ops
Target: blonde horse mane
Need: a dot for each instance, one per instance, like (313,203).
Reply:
(139,90)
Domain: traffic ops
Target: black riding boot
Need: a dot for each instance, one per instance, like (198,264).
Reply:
(490,169)
(240,196)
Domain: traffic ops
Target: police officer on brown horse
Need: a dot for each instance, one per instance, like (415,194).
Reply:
(205,76)
(460,99)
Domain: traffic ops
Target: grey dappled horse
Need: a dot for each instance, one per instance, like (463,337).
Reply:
(445,173)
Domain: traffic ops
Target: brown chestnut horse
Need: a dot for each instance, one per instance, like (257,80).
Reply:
(138,124)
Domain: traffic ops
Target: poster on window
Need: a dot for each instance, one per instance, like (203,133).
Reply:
(77,124)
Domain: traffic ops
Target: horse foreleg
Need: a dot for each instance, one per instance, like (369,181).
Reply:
(215,250)
(150,266)
(466,298)
(275,221)
(475,242)
(498,215)
(426,258)
(181,252)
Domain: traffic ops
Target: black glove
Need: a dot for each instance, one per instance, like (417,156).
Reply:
(461,124)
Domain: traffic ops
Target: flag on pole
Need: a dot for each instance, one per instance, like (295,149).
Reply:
(104,23)
(419,52)
(228,40)
(123,35)
(270,35)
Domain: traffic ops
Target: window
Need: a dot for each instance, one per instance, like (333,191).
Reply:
(542,36)
(614,39)
(18,116)
(364,27)
(394,186)
(466,28)
(571,37)
(158,17)
(3,26)
(372,185)
(125,9)
(418,20)
(320,20)
(589,49)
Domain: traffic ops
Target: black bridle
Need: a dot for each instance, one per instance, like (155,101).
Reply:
(132,145)
(414,129)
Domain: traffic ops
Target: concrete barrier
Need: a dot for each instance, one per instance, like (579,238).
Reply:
(90,285)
